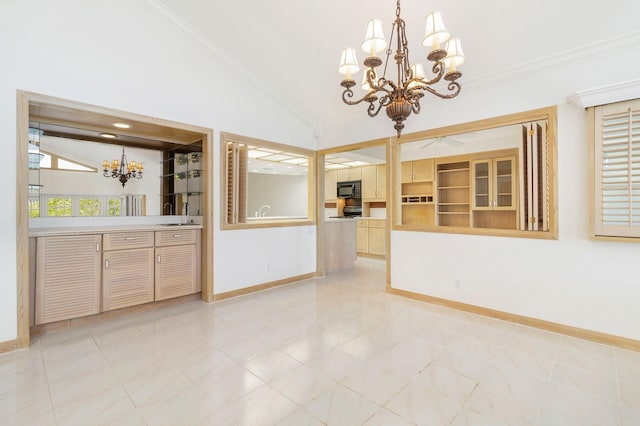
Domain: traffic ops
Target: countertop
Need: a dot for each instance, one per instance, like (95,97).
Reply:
(107,229)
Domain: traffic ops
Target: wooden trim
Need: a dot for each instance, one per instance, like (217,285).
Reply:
(265,286)
(591,126)
(320,207)
(373,256)
(488,123)
(270,224)
(206,263)
(226,137)
(8,346)
(581,333)
(354,146)
(477,231)
(22,220)
(24,100)
(549,114)
(39,330)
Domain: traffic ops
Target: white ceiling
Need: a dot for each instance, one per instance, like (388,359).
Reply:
(291,48)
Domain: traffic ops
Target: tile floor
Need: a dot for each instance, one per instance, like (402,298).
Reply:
(337,351)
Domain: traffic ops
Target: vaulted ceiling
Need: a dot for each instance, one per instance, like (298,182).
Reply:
(291,48)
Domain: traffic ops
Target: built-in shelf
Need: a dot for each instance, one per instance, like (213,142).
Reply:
(417,199)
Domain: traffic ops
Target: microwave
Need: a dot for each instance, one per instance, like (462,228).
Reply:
(349,189)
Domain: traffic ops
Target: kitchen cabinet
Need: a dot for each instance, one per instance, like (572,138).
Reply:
(417,192)
(370,239)
(374,182)
(330,183)
(494,184)
(177,268)
(67,277)
(74,272)
(127,277)
(351,173)
(493,197)
(417,170)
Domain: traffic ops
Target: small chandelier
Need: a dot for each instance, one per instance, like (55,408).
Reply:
(402,97)
(122,169)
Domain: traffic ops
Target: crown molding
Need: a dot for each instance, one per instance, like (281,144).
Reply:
(200,40)
(606,94)
(561,60)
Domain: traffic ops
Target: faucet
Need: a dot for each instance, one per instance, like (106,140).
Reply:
(260,213)
(170,207)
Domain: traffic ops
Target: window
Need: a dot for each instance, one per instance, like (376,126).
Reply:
(489,177)
(265,183)
(616,159)
(87,205)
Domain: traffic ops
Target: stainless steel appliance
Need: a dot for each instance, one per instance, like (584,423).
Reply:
(349,189)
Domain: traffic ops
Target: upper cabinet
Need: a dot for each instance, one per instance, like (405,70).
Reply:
(374,182)
(330,182)
(351,173)
(417,171)
(494,184)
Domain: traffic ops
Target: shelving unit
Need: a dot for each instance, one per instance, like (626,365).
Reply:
(34,172)
(417,192)
(182,184)
(453,194)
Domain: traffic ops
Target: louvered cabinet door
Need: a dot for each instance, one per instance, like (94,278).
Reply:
(175,271)
(67,277)
(127,278)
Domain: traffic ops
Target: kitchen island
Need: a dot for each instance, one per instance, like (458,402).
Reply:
(339,243)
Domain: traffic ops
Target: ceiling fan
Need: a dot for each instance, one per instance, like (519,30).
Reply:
(450,140)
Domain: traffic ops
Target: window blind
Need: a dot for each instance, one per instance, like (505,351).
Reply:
(617,169)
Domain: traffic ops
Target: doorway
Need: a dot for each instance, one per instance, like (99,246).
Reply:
(364,164)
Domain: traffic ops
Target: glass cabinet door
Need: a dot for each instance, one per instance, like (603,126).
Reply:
(481,184)
(504,183)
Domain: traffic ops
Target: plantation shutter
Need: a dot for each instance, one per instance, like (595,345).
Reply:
(617,169)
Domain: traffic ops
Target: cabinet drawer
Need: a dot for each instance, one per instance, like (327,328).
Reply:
(364,223)
(376,223)
(127,240)
(176,237)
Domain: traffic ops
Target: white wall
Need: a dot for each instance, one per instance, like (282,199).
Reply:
(572,280)
(124,55)
(286,194)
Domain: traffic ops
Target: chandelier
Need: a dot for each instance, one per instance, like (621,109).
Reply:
(402,97)
(122,169)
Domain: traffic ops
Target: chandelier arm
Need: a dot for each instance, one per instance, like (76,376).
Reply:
(372,110)
(416,108)
(453,86)
(348,94)
(437,69)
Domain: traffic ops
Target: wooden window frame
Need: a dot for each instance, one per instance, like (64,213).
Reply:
(548,114)
(226,201)
(599,231)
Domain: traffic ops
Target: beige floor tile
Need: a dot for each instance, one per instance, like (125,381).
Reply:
(337,350)
(340,405)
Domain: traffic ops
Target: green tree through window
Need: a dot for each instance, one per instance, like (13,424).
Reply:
(90,207)
(59,206)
